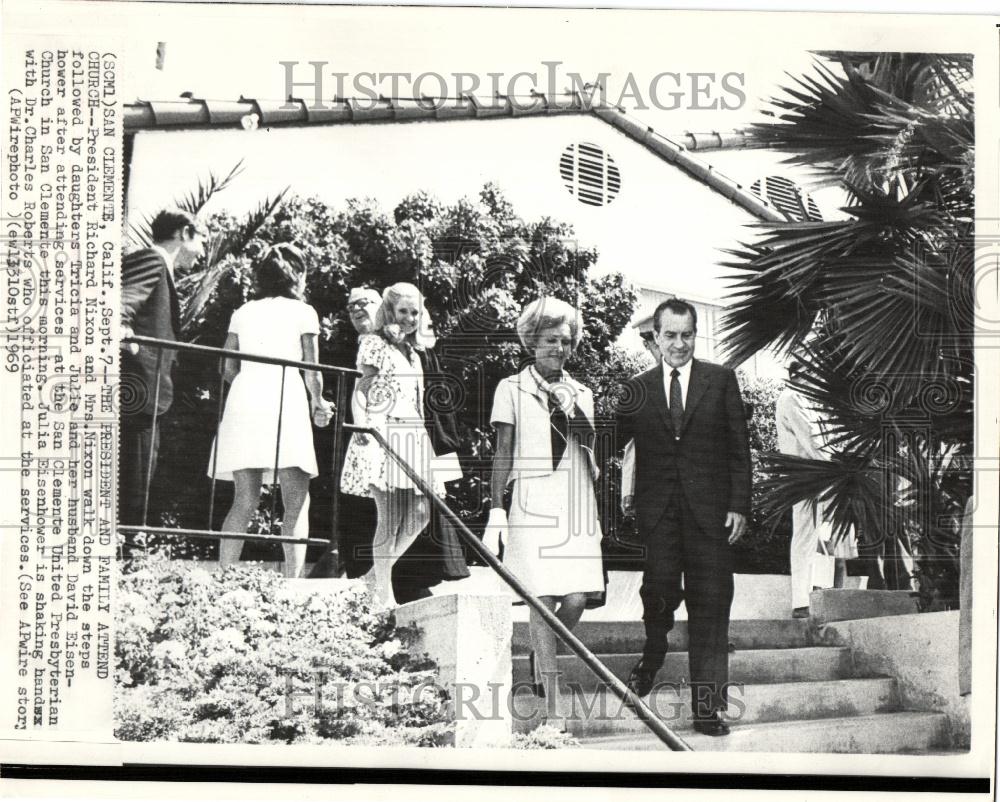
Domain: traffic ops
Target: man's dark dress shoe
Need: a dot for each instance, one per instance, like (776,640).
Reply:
(713,725)
(642,678)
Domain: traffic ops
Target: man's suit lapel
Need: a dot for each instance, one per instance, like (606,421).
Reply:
(655,391)
(697,385)
(175,306)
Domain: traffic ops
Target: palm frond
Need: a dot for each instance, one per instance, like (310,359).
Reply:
(140,234)
(216,263)
(826,119)
(799,269)
(238,238)
(938,80)
(857,412)
(198,198)
(869,121)
(852,491)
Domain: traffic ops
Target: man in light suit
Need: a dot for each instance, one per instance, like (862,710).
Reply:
(798,435)
(692,500)
(150,309)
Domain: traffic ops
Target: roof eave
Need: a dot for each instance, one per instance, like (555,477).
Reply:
(247,113)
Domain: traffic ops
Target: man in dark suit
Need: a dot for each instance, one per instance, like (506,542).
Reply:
(150,309)
(692,500)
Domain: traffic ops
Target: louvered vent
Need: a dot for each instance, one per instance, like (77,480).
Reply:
(787,197)
(590,174)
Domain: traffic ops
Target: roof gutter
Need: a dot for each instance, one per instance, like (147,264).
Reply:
(249,113)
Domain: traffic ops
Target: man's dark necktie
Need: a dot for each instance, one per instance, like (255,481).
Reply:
(676,402)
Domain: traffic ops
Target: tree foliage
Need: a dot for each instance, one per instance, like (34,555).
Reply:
(877,306)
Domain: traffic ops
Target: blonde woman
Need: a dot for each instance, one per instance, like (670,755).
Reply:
(544,421)
(391,401)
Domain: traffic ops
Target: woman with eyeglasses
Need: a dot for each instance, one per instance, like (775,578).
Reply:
(277,324)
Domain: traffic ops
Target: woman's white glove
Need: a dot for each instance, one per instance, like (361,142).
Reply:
(496,529)
(322,412)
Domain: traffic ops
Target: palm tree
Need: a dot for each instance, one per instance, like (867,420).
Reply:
(877,306)
(195,288)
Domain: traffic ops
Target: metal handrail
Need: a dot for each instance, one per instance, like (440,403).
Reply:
(247,355)
(208,534)
(620,689)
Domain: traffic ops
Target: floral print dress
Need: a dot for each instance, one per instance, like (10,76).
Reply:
(395,409)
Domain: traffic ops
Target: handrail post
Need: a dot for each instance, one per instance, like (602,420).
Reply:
(215,444)
(338,465)
(277,453)
(152,440)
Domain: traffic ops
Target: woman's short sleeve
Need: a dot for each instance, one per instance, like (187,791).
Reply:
(309,320)
(503,404)
(234,320)
(370,351)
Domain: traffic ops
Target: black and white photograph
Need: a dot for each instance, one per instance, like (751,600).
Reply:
(554,387)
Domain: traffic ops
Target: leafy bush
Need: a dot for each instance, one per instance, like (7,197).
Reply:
(544,737)
(763,549)
(212,658)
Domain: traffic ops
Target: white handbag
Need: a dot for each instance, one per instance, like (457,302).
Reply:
(824,565)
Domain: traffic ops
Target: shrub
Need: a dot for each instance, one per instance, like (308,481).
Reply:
(544,737)
(763,549)
(211,658)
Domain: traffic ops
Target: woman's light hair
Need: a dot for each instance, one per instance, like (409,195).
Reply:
(546,313)
(385,316)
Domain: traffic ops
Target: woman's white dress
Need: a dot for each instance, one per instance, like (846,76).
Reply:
(249,427)
(554,532)
(395,409)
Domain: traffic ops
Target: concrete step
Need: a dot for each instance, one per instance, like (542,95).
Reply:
(843,604)
(883,733)
(600,712)
(624,637)
(751,666)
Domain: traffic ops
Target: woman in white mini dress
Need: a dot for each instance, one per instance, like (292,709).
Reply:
(391,401)
(277,324)
(552,537)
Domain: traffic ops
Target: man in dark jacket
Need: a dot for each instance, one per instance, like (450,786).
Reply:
(692,500)
(150,309)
